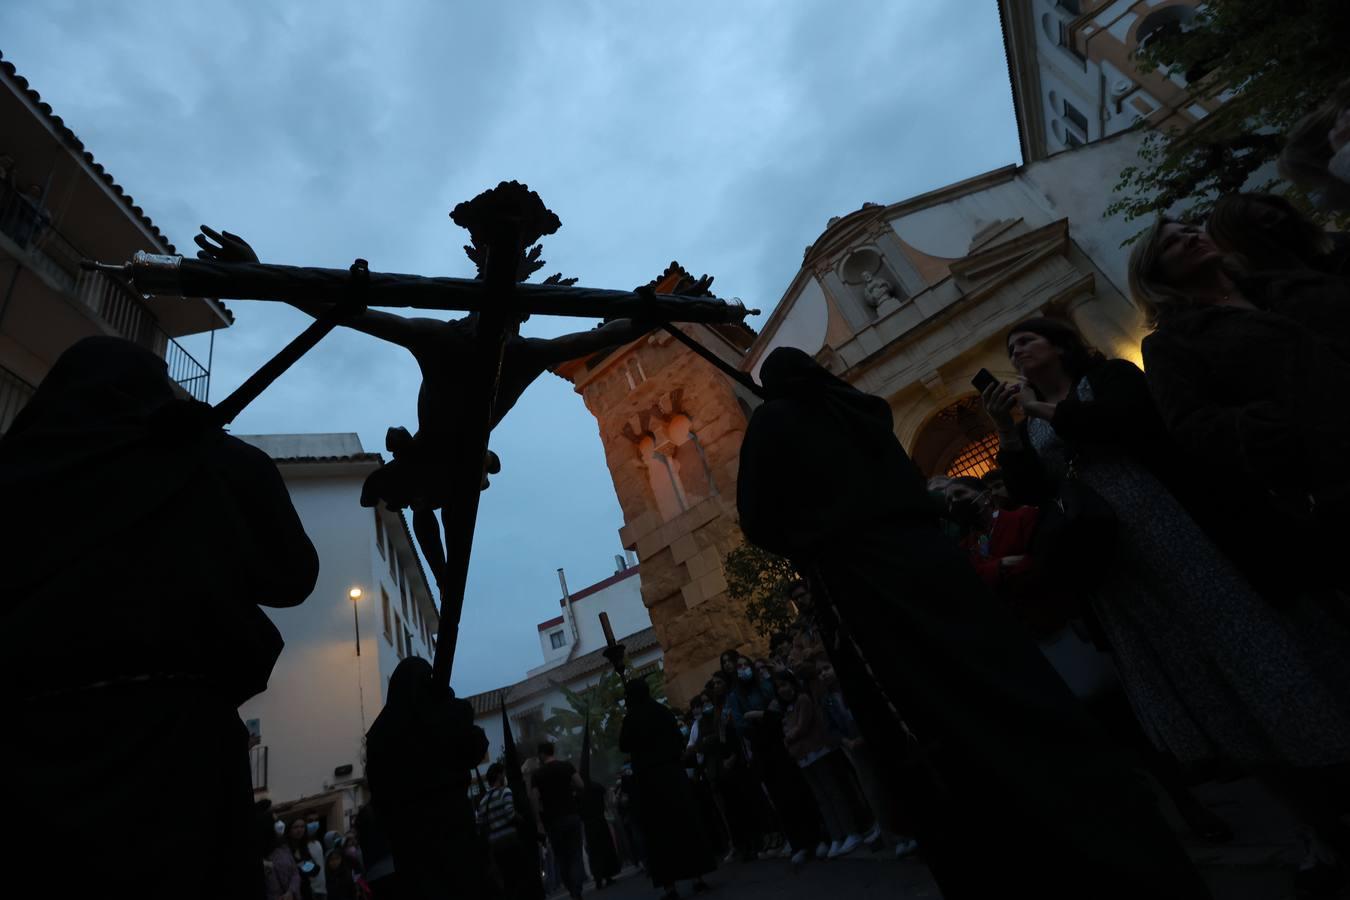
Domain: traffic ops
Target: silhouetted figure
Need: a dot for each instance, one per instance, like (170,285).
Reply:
(600,852)
(675,843)
(419,752)
(141,540)
(1005,749)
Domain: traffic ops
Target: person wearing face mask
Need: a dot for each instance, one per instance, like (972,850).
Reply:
(797,813)
(318,884)
(728,768)
(281,873)
(297,845)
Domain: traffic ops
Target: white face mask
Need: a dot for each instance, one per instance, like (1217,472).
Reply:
(279,827)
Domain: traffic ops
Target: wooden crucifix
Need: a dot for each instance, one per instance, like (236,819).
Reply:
(474,369)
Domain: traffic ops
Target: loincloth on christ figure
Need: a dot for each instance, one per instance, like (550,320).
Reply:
(422,471)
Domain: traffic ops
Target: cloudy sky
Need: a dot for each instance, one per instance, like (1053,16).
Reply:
(720,134)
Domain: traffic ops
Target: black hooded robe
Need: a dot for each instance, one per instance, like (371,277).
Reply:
(675,844)
(419,752)
(140,540)
(824,481)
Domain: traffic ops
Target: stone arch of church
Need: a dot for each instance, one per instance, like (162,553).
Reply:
(956,440)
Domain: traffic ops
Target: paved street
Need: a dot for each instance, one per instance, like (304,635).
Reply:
(857,878)
(1256,865)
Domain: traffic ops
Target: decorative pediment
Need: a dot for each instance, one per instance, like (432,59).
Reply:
(1003,259)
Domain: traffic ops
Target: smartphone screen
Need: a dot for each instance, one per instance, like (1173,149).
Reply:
(982,380)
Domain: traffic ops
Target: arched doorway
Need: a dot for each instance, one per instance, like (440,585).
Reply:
(959,440)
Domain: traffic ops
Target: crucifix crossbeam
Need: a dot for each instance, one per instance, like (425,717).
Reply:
(473,369)
(182,277)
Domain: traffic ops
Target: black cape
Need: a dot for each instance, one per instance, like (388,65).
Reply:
(140,540)
(824,481)
(418,755)
(147,536)
(669,819)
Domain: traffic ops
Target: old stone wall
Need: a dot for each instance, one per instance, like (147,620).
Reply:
(636,394)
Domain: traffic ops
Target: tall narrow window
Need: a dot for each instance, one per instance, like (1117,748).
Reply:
(695,476)
(397,638)
(379,531)
(384,605)
(669,501)
(1076,118)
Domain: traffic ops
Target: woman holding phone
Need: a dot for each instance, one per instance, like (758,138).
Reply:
(1212,670)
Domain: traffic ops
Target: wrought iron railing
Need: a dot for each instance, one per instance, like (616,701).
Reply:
(257,757)
(112,299)
(14,394)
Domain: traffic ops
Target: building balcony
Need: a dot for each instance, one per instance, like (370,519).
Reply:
(26,234)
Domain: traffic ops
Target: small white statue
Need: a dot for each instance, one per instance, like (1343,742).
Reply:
(876,290)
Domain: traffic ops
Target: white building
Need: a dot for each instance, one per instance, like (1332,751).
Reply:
(571,644)
(333,674)
(58,206)
(1074,73)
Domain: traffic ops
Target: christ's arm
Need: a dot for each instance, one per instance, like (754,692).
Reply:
(582,343)
(402,330)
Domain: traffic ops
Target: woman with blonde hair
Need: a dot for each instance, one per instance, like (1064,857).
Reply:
(1243,374)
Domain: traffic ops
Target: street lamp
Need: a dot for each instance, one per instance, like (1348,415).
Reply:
(355,595)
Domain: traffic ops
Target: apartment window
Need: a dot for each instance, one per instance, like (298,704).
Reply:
(384,605)
(393,563)
(379,531)
(557,639)
(404,598)
(407,643)
(1076,118)
(397,637)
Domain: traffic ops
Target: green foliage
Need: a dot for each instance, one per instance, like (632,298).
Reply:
(603,701)
(760,580)
(1273,61)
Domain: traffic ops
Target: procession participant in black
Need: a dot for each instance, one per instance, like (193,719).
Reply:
(600,850)
(676,848)
(528,880)
(419,752)
(824,481)
(142,540)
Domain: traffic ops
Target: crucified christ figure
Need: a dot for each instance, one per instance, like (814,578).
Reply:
(421,471)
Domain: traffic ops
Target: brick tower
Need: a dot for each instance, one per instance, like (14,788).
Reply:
(672,425)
